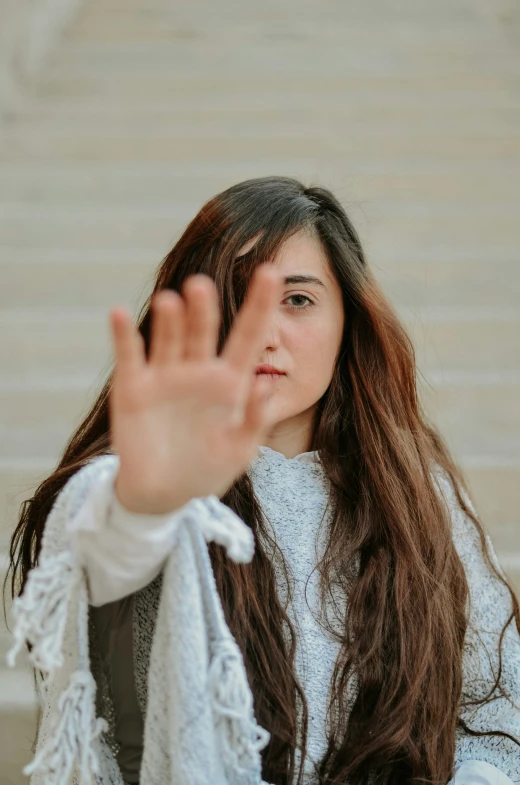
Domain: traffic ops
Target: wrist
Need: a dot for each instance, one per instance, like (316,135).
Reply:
(143,505)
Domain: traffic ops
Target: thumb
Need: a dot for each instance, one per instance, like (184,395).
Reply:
(259,411)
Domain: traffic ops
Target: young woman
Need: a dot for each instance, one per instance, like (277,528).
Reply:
(380,637)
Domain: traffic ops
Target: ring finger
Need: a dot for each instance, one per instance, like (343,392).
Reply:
(168,328)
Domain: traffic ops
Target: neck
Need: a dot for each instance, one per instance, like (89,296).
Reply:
(292,437)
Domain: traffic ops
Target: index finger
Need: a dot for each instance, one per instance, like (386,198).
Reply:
(247,335)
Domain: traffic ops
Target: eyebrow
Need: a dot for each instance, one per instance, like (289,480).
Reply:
(303,279)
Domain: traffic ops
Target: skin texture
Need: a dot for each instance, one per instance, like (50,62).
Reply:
(302,341)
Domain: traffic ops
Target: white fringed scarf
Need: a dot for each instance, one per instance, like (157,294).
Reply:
(200,727)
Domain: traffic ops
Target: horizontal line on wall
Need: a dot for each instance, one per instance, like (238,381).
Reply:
(498,378)
(384,256)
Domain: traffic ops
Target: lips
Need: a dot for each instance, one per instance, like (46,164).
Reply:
(269,369)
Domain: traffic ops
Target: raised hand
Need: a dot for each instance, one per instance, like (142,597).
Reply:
(185,422)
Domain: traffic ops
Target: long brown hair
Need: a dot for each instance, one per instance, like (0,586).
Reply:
(406,621)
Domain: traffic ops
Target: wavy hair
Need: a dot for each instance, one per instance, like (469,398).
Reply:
(390,551)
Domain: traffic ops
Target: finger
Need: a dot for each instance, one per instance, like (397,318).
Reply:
(202,317)
(247,336)
(168,328)
(258,414)
(128,342)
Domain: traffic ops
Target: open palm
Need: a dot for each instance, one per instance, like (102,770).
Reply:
(185,422)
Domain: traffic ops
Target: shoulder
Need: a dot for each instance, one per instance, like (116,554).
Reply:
(76,487)
(490,600)
(465,532)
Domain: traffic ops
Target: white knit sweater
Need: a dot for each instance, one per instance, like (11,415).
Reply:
(122,552)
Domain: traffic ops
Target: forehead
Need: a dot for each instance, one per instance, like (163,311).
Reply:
(301,253)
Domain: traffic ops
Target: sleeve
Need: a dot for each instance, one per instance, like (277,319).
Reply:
(121,551)
(476,772)
(489,609)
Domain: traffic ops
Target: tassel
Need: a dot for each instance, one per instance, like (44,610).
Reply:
(218,523)
(41,612)
(241,737)
(71,739)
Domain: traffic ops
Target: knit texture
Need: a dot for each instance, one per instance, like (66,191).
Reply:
(200,723)
(294,495)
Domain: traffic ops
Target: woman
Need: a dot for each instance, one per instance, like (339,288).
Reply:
(371,567)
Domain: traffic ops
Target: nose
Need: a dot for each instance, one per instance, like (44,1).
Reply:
(272,333)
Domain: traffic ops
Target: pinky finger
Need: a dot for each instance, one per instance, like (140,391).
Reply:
(128,342)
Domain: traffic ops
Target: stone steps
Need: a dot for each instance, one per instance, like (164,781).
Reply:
(149,227)
(327,146)
(202,178)
(254,122)
(407,111)
(17,732)
(411,283)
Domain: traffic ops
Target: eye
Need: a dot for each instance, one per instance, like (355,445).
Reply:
(300,297)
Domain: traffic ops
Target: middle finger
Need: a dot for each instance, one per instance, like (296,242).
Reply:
(245,341)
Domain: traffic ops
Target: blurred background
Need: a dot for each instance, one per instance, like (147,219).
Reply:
(119,118)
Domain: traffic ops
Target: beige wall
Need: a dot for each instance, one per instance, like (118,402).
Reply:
(28,31)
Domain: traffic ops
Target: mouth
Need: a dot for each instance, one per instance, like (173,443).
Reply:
(269,370)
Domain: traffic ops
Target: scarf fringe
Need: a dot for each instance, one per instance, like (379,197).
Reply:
(218,523)
(240,736)
(71,739)
(40,619)
(41,612)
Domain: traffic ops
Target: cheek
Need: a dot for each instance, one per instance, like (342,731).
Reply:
(314,348)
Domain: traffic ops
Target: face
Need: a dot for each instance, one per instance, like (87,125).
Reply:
(303,340)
